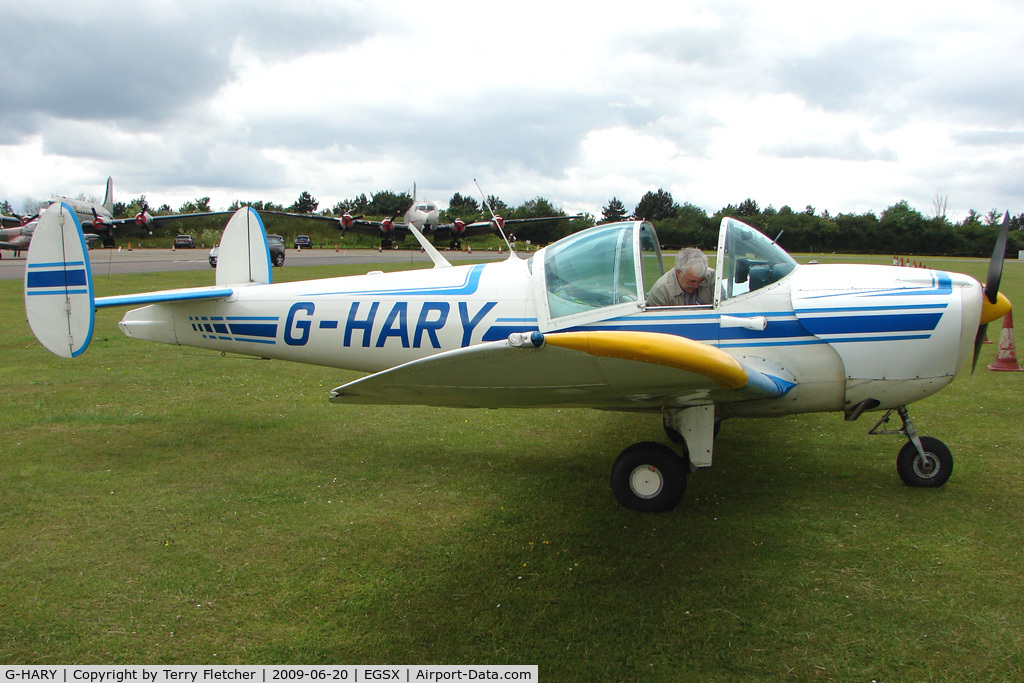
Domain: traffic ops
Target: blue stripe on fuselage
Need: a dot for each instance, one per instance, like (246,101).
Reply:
(468,286)
(914,322)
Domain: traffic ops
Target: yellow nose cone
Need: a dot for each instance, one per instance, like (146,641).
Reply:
(994,311)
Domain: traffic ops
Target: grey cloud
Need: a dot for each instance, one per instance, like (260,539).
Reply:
(852,75)
(132,68)
(850,148)
(989,138)
(543,135)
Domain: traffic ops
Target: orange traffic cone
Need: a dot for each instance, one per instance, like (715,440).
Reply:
(1006,356)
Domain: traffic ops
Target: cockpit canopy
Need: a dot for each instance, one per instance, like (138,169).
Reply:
(597,268)
(748,260)
(607,270)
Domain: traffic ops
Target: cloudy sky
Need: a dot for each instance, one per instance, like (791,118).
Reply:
(844,106)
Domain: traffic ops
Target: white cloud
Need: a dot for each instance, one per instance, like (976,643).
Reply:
(847,107)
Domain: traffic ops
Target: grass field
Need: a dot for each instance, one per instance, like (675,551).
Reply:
(169,505)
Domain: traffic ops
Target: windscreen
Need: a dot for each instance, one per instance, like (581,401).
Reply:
(592,269)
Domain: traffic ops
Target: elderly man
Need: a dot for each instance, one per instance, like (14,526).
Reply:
(689,283)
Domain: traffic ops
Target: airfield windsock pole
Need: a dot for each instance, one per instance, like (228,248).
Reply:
(1006,356)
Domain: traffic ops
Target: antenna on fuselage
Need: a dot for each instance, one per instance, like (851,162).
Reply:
(498,222)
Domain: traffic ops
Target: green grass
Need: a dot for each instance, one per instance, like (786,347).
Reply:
(170,505)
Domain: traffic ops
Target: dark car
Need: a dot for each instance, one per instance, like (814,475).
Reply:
(184,242)
(275,243)
(303,242)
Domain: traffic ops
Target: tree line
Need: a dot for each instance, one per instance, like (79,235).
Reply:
(899,229)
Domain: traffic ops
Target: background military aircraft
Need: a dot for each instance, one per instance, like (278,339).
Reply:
(425,216)
(96,219)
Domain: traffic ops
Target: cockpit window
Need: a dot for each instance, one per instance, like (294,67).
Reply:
(650,256)
(749,260)
(592,269)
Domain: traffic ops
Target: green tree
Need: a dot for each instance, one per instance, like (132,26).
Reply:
(357,206)
(461,206)
(496,205)
(258,205)
(200,205)
(994,217)
(133,207)
(655,206)
(615,211)
(748,207)
(972,217)
(387,203)
(691,227)
(541,232)
(305,204)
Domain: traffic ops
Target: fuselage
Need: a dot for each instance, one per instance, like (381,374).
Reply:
(841,333)
(19,236)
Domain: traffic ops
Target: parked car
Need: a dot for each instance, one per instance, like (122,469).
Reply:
(274,242)
(303,242)
(184,242)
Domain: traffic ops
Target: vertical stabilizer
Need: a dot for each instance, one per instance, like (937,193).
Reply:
(108,198)
(243,256)
(58,284)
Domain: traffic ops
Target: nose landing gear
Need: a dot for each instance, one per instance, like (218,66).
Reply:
(922,462)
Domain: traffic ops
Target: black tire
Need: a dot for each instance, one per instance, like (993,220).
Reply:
(932,471)
(649,477)
(278,260)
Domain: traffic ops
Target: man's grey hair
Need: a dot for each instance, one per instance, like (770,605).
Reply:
(691,259)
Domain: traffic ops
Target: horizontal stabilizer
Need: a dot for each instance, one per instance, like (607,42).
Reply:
(165,296)
(58,284)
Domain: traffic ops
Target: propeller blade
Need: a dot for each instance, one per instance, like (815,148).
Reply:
(995,265)
(995,274)
(979,339)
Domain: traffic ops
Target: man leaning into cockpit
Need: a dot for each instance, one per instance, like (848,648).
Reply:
(689,283)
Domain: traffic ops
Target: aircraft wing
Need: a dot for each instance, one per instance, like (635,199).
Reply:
(149,222)
(346,223)
(608,369)
(12,220)
(490,227)
(336,220)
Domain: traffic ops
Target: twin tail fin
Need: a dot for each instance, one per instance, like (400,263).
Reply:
(59,299)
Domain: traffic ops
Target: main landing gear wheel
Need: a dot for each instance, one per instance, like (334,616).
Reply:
(931,470)
(649,477)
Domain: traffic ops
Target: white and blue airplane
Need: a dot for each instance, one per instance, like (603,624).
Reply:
(570,327)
